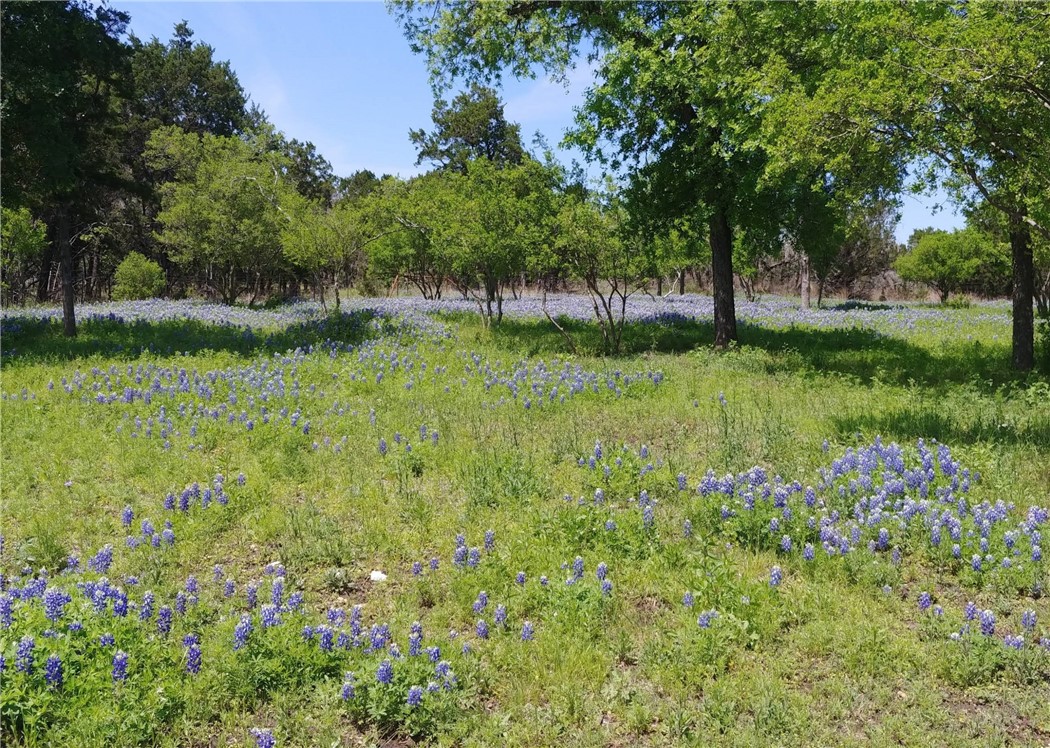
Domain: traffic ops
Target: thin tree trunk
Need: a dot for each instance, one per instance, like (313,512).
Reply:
(1024,290)
(65,249)
(804,280)
(681,282)
(722,278)
(659,285)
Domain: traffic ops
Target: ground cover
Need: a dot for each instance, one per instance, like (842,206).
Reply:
(831,534)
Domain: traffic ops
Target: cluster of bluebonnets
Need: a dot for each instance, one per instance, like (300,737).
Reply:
(257,326)
(880,500)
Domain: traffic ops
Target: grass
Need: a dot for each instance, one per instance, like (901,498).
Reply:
(826,658)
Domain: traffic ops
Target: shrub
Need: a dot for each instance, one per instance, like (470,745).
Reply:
(138,278)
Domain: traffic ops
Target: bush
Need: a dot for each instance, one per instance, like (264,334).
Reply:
(138,278)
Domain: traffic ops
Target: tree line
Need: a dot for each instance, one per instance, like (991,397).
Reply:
(739,137)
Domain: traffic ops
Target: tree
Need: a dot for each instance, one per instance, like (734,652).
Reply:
(680,103)
(222,214)
(472,127)
(62,65)
(949,261)
(22,241)
(962,89)
(137,278)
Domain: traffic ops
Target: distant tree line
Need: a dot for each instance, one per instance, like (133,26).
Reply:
(745,141)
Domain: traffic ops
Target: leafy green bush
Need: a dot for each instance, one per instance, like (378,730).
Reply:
(138,278)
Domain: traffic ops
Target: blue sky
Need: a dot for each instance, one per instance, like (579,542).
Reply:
(342,76)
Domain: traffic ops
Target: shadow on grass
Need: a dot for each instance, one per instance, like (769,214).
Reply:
(42,341)
(860,354)
(949,426)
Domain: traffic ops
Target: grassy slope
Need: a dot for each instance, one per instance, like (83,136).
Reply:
(834,659)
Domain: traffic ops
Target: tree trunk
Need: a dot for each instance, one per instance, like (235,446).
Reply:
(722,278)
(659,285)
(803,278)
(681,282)
(63,236)
(1024,290)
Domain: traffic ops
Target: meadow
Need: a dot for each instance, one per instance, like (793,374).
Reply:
(392,525)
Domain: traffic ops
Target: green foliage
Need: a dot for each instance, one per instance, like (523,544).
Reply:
(22,240)
(471,127)
(138,278)
(222,216)
(952,261)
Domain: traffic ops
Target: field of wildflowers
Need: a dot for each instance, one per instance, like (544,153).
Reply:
(392,525)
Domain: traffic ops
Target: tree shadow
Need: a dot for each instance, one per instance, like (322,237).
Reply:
(40,341)
(863,355)
(951,427)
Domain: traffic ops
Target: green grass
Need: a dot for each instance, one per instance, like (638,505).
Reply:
(827,658)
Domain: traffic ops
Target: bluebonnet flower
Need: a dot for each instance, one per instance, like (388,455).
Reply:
(102,560)
(191,584)
(1028,620)
(500,616)
(527,631)
(295,600)
(347,692)
(473,557)
(415,696)
(924,601)
(164,616)
(253,594)
(970,612)
(775,576)
(55,601)
(434,563)
(599,496)
(385,672)
(987,618)
(382,447)
(610,525)
(682,484)
(180,603)
(168,536)
(433,653)
(277,591)
(807,552)
(127,516)
(53,671)
(602,570)
(520,578)
(325,638)
(241,632)
(193,659)
(607,587)
(6,610)
(490,540)
(687,529)
(704,621)
(895,557)
(106,640)
(268,616)
(975,562)
(1014,642)
(459,556)
(417,568)
(481,629)
(785,544)
(120,666)
(647,516)
(75,626)
(229,588)
(263,738)
(481,602)
(577,567)
(688,599)
(24,655)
